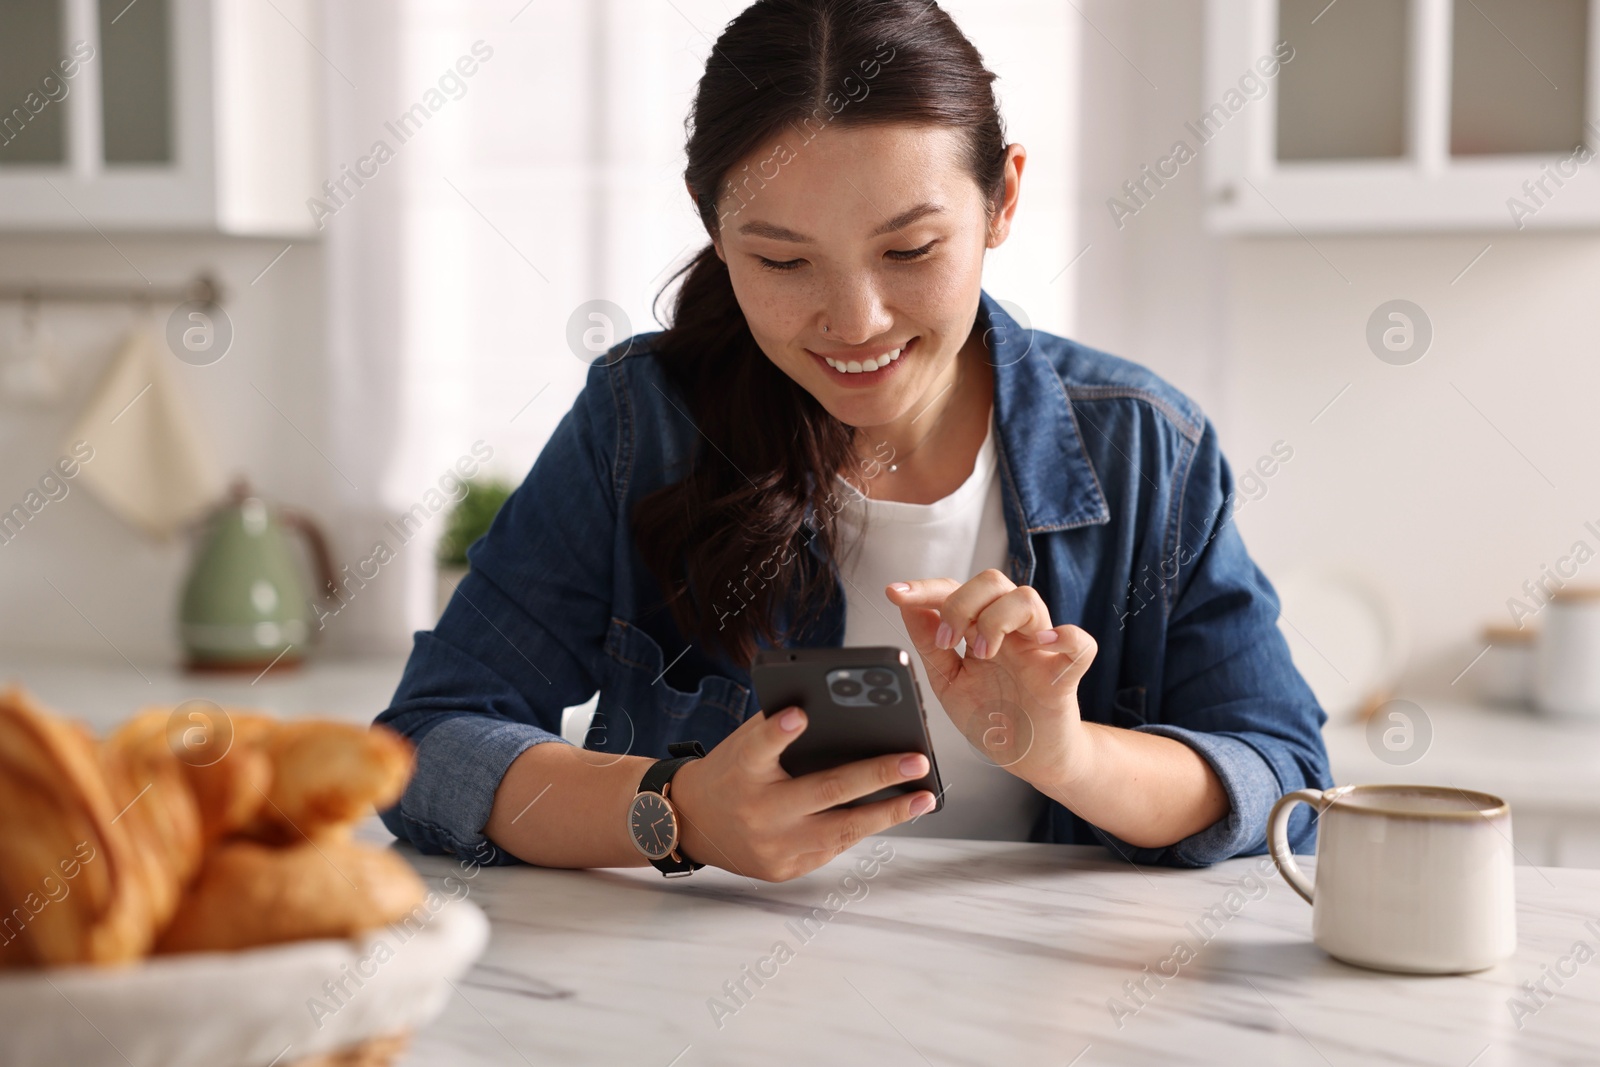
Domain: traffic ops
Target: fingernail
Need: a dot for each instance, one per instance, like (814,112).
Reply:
(790,720)
(922,803)
(1044,637)
(914,766)
(945,637)
(980,647)
(900,587)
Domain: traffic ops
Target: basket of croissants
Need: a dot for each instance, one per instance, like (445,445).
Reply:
(189,890)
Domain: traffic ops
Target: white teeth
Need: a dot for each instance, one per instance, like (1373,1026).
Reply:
(863,367)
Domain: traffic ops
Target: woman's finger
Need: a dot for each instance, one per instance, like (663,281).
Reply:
(963,606)
(1058,663)
(835,831)
(1022,611)
(922,592)
(922,625)
(763,741)
(822,790)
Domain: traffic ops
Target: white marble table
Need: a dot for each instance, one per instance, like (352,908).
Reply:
(961,952)
(980,953)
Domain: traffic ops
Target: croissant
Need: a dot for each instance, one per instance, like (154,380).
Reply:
(253,894)
(157,811)
(229,777)
(229,837)
(326,776)
(280,781)
(67,859)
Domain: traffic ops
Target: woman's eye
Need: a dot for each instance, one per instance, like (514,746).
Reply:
(915,253)
(788,264)
(898,255)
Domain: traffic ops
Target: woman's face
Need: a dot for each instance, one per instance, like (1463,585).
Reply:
(876,232)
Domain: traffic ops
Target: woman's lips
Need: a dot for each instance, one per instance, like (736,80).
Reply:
(885,364)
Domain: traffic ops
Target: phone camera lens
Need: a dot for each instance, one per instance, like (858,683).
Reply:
(878,676)
(845,687)
(882,696)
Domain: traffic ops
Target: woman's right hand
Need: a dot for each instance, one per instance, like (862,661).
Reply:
(741,811)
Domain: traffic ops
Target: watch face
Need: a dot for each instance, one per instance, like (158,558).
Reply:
(654,826)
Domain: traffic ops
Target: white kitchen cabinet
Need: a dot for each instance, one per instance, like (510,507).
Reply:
(159,115)
(1393,115)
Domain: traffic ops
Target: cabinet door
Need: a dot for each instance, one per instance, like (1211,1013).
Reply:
(1402,115)
(115,124)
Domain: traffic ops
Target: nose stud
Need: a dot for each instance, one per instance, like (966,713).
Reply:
(824,329)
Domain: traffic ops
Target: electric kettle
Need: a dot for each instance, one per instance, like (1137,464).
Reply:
(245,605)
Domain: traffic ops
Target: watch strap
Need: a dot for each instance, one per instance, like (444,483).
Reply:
(661,771)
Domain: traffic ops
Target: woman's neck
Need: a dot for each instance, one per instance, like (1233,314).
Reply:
(936,443)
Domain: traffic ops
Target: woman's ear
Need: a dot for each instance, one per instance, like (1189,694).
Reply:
(1000,223)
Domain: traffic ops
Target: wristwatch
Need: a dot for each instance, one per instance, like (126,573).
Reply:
(652,820)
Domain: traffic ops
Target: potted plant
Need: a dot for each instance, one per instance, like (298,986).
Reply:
(468,520)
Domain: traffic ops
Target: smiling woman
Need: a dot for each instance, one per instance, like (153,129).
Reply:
(842,439)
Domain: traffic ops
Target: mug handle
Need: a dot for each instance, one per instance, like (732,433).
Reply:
(1278,839)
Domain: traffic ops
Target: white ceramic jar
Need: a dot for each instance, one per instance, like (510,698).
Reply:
(1505,674)
(1567,661)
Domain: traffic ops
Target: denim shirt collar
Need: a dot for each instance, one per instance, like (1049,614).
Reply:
(1041,447)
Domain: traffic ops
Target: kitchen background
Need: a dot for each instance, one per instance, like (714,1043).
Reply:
(1410,474)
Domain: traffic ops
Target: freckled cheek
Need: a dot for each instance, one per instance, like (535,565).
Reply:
(778,323)
(933,296)
(776,313)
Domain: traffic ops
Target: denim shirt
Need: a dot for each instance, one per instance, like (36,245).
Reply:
(1118,506)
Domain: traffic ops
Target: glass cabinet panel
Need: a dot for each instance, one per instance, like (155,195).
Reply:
(1343,94)
(32,118)
(136,81)
(1518,73)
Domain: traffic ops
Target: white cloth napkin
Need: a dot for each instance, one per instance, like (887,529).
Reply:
(152,466)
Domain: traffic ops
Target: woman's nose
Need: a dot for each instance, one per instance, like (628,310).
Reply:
(855,314)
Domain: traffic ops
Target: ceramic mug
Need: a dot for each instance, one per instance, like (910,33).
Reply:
(1409,878)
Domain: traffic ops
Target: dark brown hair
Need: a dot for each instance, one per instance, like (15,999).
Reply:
(728,543)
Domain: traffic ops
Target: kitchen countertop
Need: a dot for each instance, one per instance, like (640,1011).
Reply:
(1537,762)
(104,693)
(957,952)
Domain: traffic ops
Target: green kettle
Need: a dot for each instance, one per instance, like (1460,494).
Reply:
(245,605)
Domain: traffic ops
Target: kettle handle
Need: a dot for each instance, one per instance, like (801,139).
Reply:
(320,557)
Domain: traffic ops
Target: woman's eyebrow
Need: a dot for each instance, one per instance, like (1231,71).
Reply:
(772,231)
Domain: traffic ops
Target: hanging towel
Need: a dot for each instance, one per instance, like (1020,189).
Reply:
(153,466)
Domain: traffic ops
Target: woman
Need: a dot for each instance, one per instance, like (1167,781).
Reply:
(842,439)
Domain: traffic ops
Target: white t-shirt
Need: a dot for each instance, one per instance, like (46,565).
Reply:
(956,537)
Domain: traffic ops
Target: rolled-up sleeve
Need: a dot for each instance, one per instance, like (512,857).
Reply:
(1230,689)
(521,639)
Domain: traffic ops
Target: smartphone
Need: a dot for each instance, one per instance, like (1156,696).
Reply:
(860,703)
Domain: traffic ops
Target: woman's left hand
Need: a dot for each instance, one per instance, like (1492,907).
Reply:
(1014,695)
